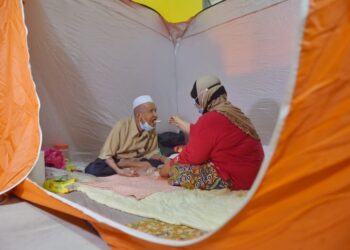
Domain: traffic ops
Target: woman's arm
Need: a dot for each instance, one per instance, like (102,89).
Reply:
(202,140)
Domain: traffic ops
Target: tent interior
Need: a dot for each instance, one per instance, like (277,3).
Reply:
(90,59)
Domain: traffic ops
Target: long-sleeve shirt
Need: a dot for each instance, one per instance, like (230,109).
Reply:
(235,155)
(126,142)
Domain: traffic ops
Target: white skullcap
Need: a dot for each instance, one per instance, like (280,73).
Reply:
(141,100)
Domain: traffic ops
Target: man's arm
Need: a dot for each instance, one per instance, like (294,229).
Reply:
(112,143)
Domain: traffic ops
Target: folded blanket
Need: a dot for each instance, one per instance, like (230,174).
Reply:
(139,187)
(205,210)
(166,230)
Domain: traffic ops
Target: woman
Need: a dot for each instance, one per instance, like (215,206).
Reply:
(224,149)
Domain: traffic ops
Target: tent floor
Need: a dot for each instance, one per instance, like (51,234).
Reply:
(25,226)
(110,213)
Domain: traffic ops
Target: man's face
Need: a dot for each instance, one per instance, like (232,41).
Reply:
(148,113)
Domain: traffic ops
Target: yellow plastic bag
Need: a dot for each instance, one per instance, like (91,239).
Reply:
(60,187)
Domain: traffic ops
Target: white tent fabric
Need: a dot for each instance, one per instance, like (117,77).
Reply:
(90,59)
(89,66)
(252,54)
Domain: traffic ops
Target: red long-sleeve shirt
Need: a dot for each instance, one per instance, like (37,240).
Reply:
(235,155)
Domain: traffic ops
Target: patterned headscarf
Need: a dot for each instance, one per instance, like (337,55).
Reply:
(211,95)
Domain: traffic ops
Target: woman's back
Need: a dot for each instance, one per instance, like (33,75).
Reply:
(235,155)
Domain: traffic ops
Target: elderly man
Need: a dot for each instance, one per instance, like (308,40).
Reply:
(132,146)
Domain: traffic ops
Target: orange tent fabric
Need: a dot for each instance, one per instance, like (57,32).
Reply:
(19,108)
(304,197)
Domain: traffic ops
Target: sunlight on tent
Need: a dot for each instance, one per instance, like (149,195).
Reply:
(174,11)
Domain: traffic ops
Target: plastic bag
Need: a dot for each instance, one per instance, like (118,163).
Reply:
(54,158)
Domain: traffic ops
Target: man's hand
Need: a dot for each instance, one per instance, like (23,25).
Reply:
(127,172)
(121,171)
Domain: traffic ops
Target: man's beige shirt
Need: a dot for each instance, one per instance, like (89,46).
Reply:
(125,142)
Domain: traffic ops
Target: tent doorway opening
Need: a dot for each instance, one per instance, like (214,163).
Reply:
(90,59)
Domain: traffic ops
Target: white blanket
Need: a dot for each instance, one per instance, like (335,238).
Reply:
(205,210)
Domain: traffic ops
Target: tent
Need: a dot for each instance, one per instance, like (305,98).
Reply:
(284,62)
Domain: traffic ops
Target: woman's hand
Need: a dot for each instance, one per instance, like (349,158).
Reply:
(164,171)
(181,124)
(177,121)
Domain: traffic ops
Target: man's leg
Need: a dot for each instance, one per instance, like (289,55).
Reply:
(99,168)
(153,162)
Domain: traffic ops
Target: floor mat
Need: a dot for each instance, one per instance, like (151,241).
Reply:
(204,210)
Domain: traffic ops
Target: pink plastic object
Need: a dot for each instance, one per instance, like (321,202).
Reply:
(54,158)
